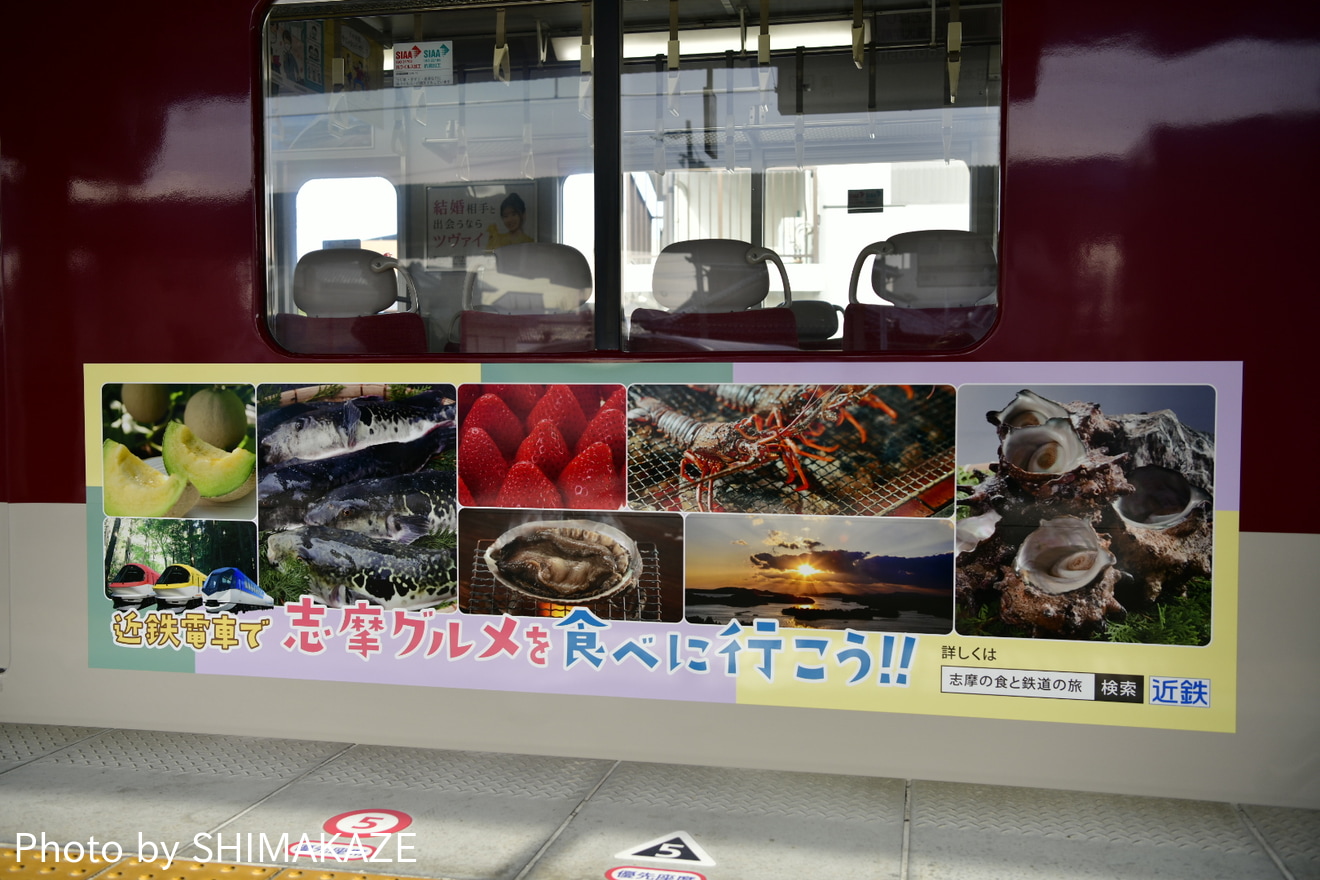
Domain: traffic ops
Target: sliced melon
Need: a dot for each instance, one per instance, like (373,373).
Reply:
(217,474)
(135,488)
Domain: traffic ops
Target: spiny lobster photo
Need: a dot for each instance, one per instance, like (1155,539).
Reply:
(830,440)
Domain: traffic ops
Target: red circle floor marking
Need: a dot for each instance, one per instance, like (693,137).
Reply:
(367,823)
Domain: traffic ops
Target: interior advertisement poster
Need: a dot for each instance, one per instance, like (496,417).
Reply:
(421,64)
(470,220)
(294,58)
(1049,542)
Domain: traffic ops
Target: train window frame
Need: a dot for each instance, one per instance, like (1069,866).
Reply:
(799,103)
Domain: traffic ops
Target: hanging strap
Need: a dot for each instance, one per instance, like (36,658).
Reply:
(501,67)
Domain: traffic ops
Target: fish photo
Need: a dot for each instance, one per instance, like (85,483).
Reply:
(357,493)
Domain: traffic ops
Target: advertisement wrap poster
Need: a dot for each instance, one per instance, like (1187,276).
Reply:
(1047,542)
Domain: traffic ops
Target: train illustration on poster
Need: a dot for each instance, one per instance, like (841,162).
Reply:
(165,565)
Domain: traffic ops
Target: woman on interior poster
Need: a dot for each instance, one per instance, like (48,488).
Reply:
(513,216)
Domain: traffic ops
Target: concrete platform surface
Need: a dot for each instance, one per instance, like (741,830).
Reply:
(105,804)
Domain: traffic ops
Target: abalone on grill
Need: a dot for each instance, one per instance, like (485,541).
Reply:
(565,561)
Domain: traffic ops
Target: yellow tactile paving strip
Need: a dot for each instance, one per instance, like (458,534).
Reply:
(12,867)
(32,866)
(136,869)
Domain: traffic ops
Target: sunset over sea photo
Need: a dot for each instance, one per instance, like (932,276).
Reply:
(887,575)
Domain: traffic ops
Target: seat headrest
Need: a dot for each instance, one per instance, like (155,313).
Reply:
(532,277)
(936,268)
(710,275)
(344,283)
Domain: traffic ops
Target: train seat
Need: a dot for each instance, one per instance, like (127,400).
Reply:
(534,298)
(817,322)
(940,286)
(343,293)
(712,293)
(440,297)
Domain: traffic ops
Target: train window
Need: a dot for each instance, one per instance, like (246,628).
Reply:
(788,179)
(814,179)
(347,212)
(472,125)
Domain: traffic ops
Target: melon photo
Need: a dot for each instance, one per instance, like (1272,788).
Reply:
(218,416)
(135,488)
(217,474)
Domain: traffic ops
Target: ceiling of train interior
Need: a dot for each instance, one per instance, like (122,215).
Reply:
(893,23)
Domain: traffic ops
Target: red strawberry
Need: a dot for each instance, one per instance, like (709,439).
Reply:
(560,406)
(480,464)
(464,494)
(618,399)
(545,448)
(520,398)
(526,486)
(590,480)
(494,417)
(608,427)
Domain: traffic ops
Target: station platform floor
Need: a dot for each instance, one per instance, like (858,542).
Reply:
(117,804)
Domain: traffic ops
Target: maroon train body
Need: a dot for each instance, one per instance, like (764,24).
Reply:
(1158,183)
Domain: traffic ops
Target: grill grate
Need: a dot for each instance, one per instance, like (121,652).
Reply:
(900,458)
(485,595)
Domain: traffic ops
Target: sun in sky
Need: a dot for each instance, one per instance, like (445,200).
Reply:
(806,569)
